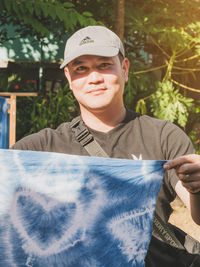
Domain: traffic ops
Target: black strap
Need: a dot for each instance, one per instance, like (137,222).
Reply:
(85,138)
(163,231)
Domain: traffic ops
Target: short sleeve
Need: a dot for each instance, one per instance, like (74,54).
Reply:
(174,143)
(34,142)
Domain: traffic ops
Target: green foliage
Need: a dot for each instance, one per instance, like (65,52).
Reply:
(195,138)
(170,32)
(141,106)
(168,104)
(40,18)
(23,116)
(53,109)
(193,126)
(138,87)
(3,81)
(164,29)
(103,11)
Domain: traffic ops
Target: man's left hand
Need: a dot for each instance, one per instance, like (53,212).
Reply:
(188,170)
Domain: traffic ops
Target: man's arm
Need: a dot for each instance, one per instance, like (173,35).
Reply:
(188,187)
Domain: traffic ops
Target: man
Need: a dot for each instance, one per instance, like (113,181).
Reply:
(97,69)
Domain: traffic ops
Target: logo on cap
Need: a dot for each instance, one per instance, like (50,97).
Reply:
(86,40)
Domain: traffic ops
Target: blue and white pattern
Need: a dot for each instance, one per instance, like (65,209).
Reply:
(4,123)
(75,211)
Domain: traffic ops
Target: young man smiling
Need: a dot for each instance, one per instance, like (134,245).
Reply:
(97,69)
(98,84)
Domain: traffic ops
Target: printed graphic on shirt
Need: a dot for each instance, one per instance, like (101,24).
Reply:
(63,210)
(137,158)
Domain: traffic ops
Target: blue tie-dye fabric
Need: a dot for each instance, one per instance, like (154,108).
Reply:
(60,210)
(4,123)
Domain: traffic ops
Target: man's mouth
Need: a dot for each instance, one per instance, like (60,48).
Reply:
(97,91)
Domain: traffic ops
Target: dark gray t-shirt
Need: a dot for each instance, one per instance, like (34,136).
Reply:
(137,137)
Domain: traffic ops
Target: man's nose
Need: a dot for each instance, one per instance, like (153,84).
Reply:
(95,77)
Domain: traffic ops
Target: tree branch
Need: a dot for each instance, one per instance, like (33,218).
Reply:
(148,70)
(189,69)
(186,87)
(187,59)
(183,51)
(163,51)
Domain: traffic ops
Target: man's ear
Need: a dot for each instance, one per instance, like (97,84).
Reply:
(125,67)
(67,74)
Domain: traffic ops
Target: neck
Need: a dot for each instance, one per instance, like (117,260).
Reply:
(103,121)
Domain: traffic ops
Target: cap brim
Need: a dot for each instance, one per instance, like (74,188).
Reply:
(103,51)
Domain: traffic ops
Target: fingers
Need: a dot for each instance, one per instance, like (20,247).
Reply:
(189,178)
(192,187)
(187,169)
(191,182)
(175,163)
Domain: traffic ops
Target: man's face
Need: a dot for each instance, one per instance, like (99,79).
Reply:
(97,82)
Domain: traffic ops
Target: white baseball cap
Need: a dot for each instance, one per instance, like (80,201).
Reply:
(92,40)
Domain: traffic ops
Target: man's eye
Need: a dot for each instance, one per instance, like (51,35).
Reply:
(105,65)
(81,69)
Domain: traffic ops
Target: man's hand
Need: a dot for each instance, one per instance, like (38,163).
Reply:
(188,170)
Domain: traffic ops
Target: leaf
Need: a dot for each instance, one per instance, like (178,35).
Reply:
(197,49)
(37,9)
(8,5)
(45,9)
(68,5)
(59,13)
(141,107)
(87,14)
(30,7)
(169,104)
(15,7)
(73,19)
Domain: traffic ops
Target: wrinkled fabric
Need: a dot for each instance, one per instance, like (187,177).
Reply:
(64,210)
(4,123)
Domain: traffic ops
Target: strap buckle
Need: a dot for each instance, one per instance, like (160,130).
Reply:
(81,132)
